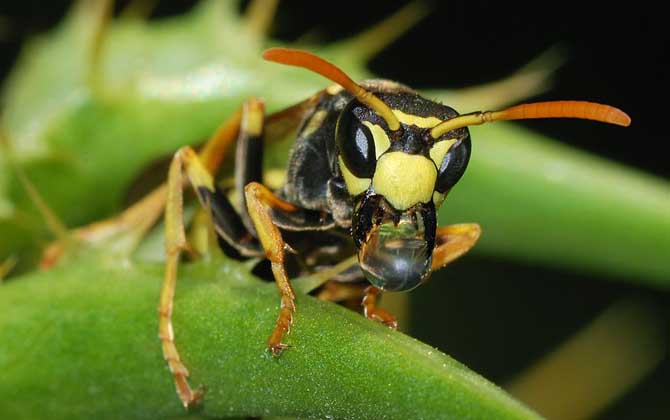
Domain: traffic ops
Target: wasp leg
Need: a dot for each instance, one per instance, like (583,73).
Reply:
(141,216)
(249,154)
(137,219)
(345,294)
(335,291)
(453,241)
(253,129)
(175,243)
(371,311)
(259,202)
(235,229)
(227,224)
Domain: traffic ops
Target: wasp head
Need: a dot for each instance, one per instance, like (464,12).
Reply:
(398,178)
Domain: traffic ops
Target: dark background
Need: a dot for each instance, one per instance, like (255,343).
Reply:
(498,324)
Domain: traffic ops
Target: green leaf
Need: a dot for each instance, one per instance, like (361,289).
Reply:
(81,341)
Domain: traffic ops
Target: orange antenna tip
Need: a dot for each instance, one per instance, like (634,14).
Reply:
(565,109)
(328,70)
(553,109)
(620,118)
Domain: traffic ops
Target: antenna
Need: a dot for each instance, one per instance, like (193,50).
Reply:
(553,109)
(328,70)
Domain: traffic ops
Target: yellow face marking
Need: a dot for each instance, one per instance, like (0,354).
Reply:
(314,123)
(382,141)
(440,149)
(423,122)
(405,180)
(355,185)
(438,198)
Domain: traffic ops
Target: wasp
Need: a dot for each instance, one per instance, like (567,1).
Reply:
(371,164)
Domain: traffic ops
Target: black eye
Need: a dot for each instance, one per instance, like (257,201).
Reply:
(355,143)
(453,165)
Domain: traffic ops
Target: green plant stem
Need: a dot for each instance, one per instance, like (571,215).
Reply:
(81,342)
(598,364)
(545,203)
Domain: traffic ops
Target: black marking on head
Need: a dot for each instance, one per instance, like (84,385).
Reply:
(413,142)
(429,216)
(355,142)
(362,219)
(410,139)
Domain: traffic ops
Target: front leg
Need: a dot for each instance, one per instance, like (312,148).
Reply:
(259,202)
(372,311)
(451,242)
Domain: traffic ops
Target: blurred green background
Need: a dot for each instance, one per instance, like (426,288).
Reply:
(496,316)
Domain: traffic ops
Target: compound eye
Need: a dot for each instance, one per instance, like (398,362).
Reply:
(356,144)
(453,165)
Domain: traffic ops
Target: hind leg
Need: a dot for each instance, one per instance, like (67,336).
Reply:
(227,224)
